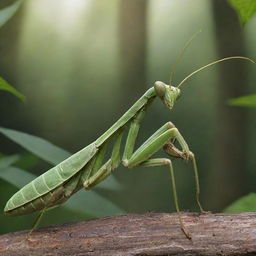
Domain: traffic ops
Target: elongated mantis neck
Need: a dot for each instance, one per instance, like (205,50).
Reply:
(143,101)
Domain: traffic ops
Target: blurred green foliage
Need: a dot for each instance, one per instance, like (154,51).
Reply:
(8,11)
(38,146)
(244,8)
(53,154)
(244,204)
(7,87)
(5,14)
(244,101)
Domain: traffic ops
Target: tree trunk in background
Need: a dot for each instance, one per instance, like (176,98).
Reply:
(228,173)
(132,34)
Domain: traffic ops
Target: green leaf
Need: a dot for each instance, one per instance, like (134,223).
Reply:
(16,176)
(244,204)
(8,160)
(40,147)
(49,152)
(4,85)
(244,101)
(27,161)
(7,12)
(244,8)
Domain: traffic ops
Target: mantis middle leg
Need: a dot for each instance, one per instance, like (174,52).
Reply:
(100,172)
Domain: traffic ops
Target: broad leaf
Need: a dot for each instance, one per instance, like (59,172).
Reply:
(244,101)
(4,85)
(244,8)
(27,161)
(40,147)
(244,204)
(7,12)
(8,160)
(16,176)
(49,152)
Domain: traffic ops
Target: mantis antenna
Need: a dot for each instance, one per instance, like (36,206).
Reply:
(213,63)
(179,57)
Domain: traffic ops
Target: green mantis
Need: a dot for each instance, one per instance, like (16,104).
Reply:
(88,167)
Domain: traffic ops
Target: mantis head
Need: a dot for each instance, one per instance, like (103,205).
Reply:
(167,93)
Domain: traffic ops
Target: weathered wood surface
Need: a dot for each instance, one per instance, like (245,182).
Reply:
(140,234)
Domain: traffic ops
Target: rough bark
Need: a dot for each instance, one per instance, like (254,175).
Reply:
(145,234)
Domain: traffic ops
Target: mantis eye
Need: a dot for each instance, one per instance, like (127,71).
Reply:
(160,89)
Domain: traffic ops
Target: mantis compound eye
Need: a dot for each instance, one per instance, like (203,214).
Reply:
(168,94)
(160,89)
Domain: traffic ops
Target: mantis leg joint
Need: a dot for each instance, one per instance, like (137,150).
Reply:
(167,161)
(170,124)
(191,155)
(125,163)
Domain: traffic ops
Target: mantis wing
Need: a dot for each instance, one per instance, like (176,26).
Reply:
(51,179)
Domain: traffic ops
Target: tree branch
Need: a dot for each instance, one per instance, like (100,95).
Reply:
(145,234)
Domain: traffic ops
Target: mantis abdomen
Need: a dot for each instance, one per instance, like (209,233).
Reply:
(53,187)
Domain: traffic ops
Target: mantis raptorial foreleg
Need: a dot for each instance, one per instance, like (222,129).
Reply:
(154,143)
(141,157)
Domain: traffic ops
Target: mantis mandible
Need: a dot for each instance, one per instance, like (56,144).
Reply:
(88,167)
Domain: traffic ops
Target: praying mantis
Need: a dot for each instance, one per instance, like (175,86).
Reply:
(86,168)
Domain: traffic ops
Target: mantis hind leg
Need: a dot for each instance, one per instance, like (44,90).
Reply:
(100,172)
(36,222)
(54,199)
